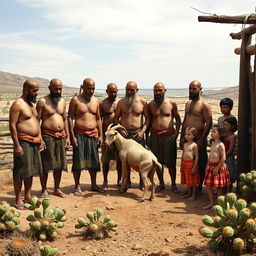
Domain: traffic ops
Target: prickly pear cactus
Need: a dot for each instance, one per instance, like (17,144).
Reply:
(247,185)
(45,221)
(96,226)
(233,229)
(48,251)
(9,218)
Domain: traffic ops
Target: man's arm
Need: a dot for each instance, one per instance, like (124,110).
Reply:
(117,113)
(39,109)
(99,124)
(13,120)
(65,120)
(140,135)
(182,133)
(207,115)
(176,116)
(71,115)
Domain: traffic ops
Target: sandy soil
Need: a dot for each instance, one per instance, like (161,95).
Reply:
(167,226)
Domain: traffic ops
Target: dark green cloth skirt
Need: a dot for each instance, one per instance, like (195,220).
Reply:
(29,165)
(164,149)
(54,156)
(86,155)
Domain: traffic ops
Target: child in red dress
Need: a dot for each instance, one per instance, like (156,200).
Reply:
(189,160)
(217,174)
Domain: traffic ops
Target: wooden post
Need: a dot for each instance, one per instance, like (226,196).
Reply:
(244,118)
(241,19)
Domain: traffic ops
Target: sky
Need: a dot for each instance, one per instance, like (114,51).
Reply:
(121,40)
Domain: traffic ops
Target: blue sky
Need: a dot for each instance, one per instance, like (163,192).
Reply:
(121,40)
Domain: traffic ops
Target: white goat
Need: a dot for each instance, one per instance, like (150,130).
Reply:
(134,155)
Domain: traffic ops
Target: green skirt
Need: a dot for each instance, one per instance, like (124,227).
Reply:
(54,156)
(86,155)
(164,149)
(29,165)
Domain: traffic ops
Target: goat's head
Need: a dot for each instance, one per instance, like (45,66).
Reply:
(111,133)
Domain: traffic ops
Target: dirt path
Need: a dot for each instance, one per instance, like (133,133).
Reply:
(167,226)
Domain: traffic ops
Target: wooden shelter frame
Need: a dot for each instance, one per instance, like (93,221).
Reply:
(246,151)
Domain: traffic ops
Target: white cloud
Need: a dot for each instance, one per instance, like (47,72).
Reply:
(161,40)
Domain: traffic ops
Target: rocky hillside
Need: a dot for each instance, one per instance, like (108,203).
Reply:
(12,83)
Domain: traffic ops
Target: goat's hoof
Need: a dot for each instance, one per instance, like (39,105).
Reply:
(142,200)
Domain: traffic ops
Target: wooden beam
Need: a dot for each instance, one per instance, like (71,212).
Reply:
(250,49)
(248,31)
(244,108)
(241,19)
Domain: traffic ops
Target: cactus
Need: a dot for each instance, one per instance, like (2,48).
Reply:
(48,251)
(22,245)
(233,229)
(248,185)
(97,226)
(9,218)
(45,222)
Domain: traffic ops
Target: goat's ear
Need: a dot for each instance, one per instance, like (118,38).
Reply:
(115,132)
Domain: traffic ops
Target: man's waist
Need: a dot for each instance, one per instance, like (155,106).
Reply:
(33,139)
(89,132)
(168,131)
(56,134)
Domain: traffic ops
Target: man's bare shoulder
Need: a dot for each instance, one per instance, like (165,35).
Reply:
(42,101)
(18,103)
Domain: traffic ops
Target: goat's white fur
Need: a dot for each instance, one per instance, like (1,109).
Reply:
(134,155)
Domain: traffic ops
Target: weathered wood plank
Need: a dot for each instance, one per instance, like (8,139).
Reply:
(248,31)
(240,19)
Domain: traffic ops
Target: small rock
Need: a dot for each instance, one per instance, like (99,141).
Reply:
(168,240)
(40,242)
(190,233)
(110,207)
(165,252)
(76,206)
(136,247)
(123,245)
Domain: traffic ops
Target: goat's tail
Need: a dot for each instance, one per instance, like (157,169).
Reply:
(157,164)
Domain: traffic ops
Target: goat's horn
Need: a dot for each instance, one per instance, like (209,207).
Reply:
(119,126)
(109,126)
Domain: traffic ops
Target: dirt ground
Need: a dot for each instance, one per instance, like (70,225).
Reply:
(167,226)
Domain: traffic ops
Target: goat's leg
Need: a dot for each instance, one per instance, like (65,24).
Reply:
(124,177)
(151,178)
(145,183)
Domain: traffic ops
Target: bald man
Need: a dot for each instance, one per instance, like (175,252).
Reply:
(165,124)
(132,113)
(54,128)
(25,133)
(198,113)
(85,134)
(107,110)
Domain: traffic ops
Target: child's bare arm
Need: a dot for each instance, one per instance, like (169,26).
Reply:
(195,149)
(232,145)
(221,148)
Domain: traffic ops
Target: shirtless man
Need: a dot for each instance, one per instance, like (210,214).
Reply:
(85,135)
(163,137)
(25,133)
(130,112)
(107,110)
(198,113)
(54,128)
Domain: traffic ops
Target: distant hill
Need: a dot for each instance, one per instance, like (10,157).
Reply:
(12,83)
(231,92)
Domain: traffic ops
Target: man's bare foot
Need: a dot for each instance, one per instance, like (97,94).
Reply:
(78,192)
(209,206)
(105,185)
(59,193)
(97,189)
(44,194)
(174,189)
(159,188)
(119,183)
(186,196)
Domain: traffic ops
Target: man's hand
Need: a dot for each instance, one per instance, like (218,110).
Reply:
(139,136)
(200,144)
(74,142)
(100,141)
(67,143)
(42,146)
(18,151)
(124,133)
(193,171)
